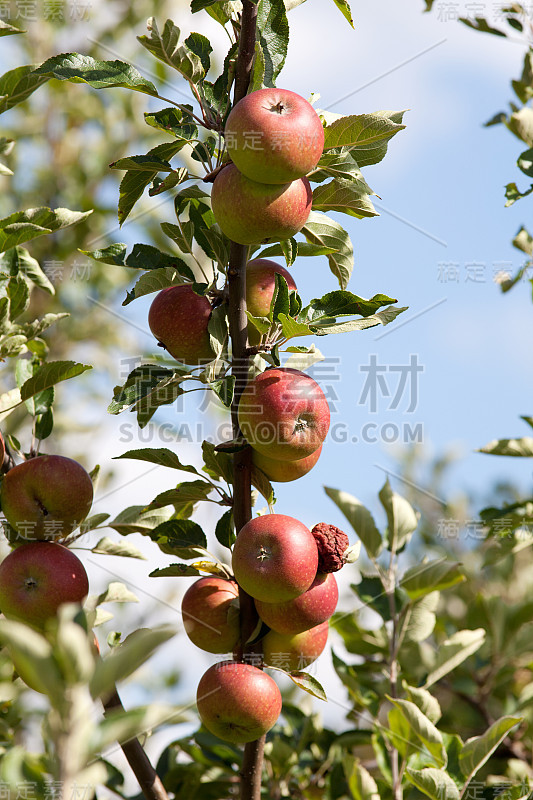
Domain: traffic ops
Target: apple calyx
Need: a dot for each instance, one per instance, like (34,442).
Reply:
(332,544)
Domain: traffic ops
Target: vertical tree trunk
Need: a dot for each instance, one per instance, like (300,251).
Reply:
(242,509)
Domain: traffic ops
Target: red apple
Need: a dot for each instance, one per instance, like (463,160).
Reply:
(274,136)
(297,651)
(284,471)
(238,702)
(260,286)
(178,318)
(284,414)
(249,212)
(275,558)
(37,578)
(210,614)
(306,611)
(46,497)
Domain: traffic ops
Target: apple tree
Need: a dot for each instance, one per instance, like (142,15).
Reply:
(253,172)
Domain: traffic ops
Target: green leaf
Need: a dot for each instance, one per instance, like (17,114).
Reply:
(525,162)
(142,170)
(477,750)
(175,571)
(18,293)
(136,519)
(372,594)
(344,8)
(147,388)
(98,74)
(257,78)
(126,658)
(481,24)
(109,547)
(142,256)
(522,448)
(116,592)
(176,121)
(430,576)
(224,389)
(422,618)
(123,726)
(34,654)
(425,701)
(513,193)
(153,281)
(384,317)
(9,30)
(350,197)
(17,260)
(161,456)
(17,85)
(359,518)
(401,517)
(273,36)
(361,783)
(217,464)
(342,303)
(180,537)
(263,485)
(183,494)
(322,231)
(165,46)
(423,729)
(308,683)
(523,241)
(225,529)
(25,225)
(360,132)
(435,783)
(453,652)
(48,375)
(338,163)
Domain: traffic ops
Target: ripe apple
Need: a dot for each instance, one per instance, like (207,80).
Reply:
(178,318)
(238,702)
(249,212)
(275,558)
(210,615)
(296,651)
(37,578)
(306,611)
(284,414)
(284,471)
(46,497)
(260,286)
(274,136)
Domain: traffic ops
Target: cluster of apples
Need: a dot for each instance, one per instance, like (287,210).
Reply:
(44,499)
(288,571)
(274,138)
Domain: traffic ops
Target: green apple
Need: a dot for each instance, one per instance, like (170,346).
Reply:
(274,136)
(284,414)
(211,615)
(238,702)
(285,471)
(249,212)
(178,318)
(275,558)
(306,611)
(294,652)
(37,578)
(46,497)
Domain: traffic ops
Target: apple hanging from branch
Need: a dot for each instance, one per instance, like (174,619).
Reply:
(178,318)
(274,136)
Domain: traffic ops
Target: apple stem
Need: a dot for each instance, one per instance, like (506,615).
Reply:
(252,765)
(147,777)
